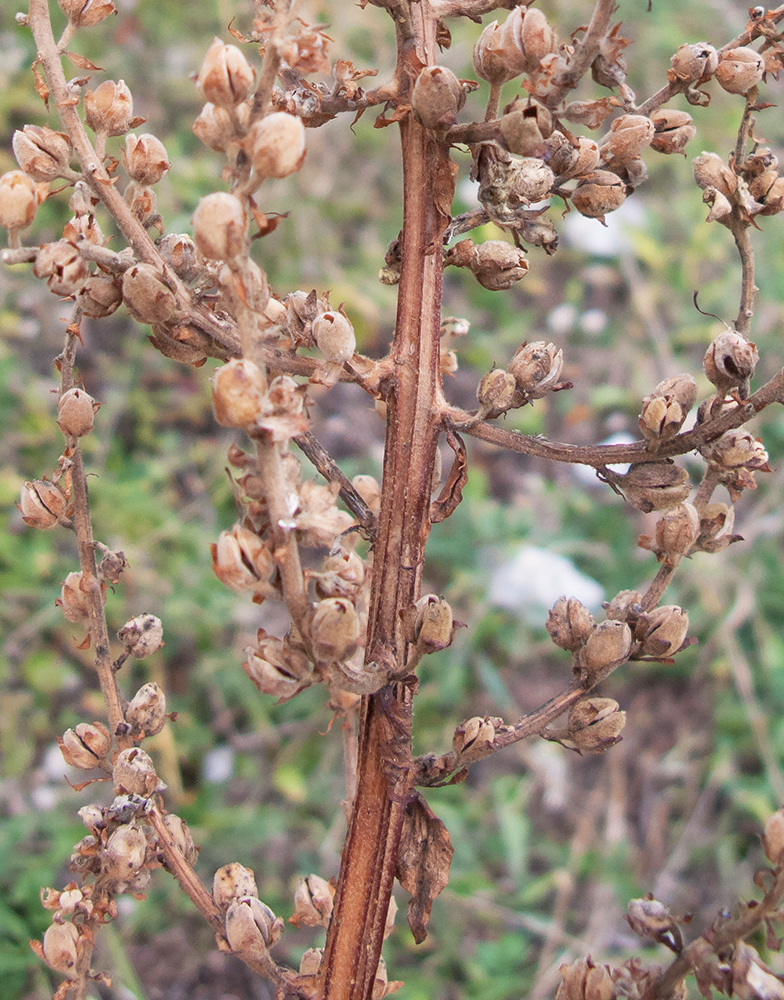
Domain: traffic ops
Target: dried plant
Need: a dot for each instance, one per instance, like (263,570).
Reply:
(359,625)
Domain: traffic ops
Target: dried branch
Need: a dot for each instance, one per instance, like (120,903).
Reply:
(326,465)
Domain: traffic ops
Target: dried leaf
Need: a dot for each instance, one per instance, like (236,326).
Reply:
(235,33)
(40,84)
(443,188)
(423,863)
(82,62)
(452,493)
(397,115)
(443,35)
(267,223)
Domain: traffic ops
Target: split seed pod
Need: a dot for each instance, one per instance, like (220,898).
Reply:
(497,57)
(142,635)
(42,504)
(86,746)
(18,200)
(569,623)
(134,773)
(730,362)
(536,368)
(663,631)
(232,882)
(226,77)
(666,408)
(145,159)
(41,152)
(251,927)
(607,646)
(147,295)
(108,110)
(740,69)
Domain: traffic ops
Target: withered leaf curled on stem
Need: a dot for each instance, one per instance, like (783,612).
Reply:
(423,862)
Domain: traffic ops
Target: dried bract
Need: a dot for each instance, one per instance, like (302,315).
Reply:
(737,448)
(124,854)
(582,980)
(532,34)
(773,837)
(663,631)
(242,561)
(629,136)
(678,529)
(711,171)
(182,837)
(141,636)
(595,724)
(99,296)
(434,628)
(147,295)
(497,390)
(74,599)
(607,646)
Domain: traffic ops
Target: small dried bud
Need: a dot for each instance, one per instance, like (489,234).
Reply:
(334,336)
(595,724)
(474,733)
(655,485)
(226,77)
(108,110)
(142,636)
(311,961)
(124,854)
(569,623)
(99,296)
(740,69)
(85,747)
(736,449)
(370,491)
(694,63)
(629,136)
(435,626)
(335,629)
(498,265)
(147,295)
(146,711)
(730,361)
(276,145)
(536,368)
(42,153)
(74,600)
(134,773)
(662,631)
(672,130)
(60,948)
(533,36)
(607,646)
(665,410)
(251,926)
(42,504)
(238,393)
(312,902)
(437,97)
(650,918)
(233,882)
(497,56)
(182,837)
(773,837)
(62,265)
(86,13)
(678,529)
(711,171)
(241,560)
(145,159)
(18,200)
(599,193)
(220,227)
(497,390)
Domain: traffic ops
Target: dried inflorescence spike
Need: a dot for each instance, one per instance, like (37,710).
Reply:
(232,882)
(730,361)
(108,110)
(666,408)
(276,145)
(87,746)
(42,504)
(569,623)
(312,902)
(42,153)
(146,711)
(226,77)
(437,97)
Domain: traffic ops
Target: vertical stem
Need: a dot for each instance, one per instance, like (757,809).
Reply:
(370,852)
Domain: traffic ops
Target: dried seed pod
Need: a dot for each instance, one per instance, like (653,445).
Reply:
(598,193)
(233,881)
(569,160)
(215,126)
(607,646)
(145,159)
(655,485)
(62,265)
(99,296)
(276,668)
(226,77)
(312,902)
(529,30)
(582,980)
(536,368)
(524,128)
(147,295)
(86,746)
(342,574)
(182,837)
(629,136)
(143,202)
(334,336)
(773,837)
(437,97)
(694,63)
(716,525)
(251,927)
(595,724)
(434,627)
(711,171)
(498,265)
(42,504)
(740,69)
(179,252)
(752,979)
(220,227)
(335,629)
(773,198)
(730,361)
(621,607)
(666,408)
(18,200)
(663,631)
(108,110)
(146,711)
(124,854)
(238,390)
(86,13)
(736,449)
(83,227)
(650,918)
(276,145)
(42,153)
(241,560)
(678,529)
(142,636)
(569,623)
(672,130)
(134,773)
(60,947)
(473,733)
(497,56)
(74,600)
(496,391)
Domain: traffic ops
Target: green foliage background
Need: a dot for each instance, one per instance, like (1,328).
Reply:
(549,847)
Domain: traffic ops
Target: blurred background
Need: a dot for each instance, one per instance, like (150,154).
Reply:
(549,846)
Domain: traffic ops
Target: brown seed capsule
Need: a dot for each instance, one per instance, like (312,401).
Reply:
(536,368)
(711,171)
(276,668)
(142,636)
(334,336)
(730,362)
(650,918)
(598,193)
(694,63)
(60,948)
(42,153)
(735,449)
(476,733)
(276,145)
(498,265)
(18,200)
(437,97)
(621,607)
(146,711)
(220,227)
(666,408)
(435,626)
(74,601)
(99,296)
(145,159)
(678,529)
(497,57)
(62,266)
(773,837)
(497,390)
(215,126)
(524,128)
(251,927)
(147,295)
(672,130)
(182,837)
(86,746)
(86,13)
(312,902)
(241,560)
(740,69)
(233,882)
(370,491)
(342,574)
(663,631)
(124,854)
(238,390)
(607,646)
(108,110)
(134,773)
(773,199)
(335,630)
(569,623)
(531,33)
(42,504)
(655,485)
(582,980)
(752,979)
(179,252)
(595,724)
(226,77)
(629,136)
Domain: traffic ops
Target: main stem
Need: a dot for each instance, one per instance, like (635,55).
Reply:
(370,853)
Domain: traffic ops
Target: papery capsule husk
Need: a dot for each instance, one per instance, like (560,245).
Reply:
(134,773)
(18,200)
(312,902)
(142,636)
(437,97)
(124,854)
(146,711)
(607,646)
(233,881)
(663,630)
(60,947)
(238,391)
(108,110)
(335,629)
(569,623)
(276,145)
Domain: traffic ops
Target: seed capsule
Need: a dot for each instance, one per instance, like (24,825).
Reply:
(134,773)
(607,646)
(335,630)
(312,902)
(473,733)
(497,390)
(142,636)
(146,711)
(437,97)
(595,724)
(276,145)
(241,560)
(238,390)
(86,13)
(226,77)
(334,336)
(569,623)
(74,601)
(145,159)
(694,63)
(531,33)
(736,449)
(41,152)
(42,504)
(672,130)
(108,110)
(711,171)
(599,193)
(60,947)
(182,837)
(18,200)
(730,361)
(662,632)
(678,529)
(497,57)
(665,410)
(629,136)
(773,837)
(86,746)
(63,267)
(498,265)
(536,368)
(435,626)
(220,227)
(655,485)
(251,927)
(125,852)
(740,69)
(232,882)
(99,296)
